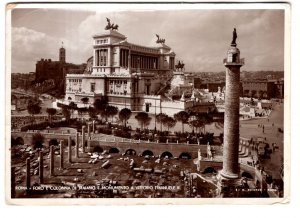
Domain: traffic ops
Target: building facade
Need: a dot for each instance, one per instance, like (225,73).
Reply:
(47,69)
(259,89)
(128,75)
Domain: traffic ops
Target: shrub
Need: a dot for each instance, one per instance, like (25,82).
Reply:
(104,130)
(122,133)
(37,140)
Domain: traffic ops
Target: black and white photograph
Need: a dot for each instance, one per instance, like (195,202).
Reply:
(149,102)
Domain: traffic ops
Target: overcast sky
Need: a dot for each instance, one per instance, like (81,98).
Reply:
(198,37)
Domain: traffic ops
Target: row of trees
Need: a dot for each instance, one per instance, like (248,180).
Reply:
(100,108)
(104,110)
(193,119)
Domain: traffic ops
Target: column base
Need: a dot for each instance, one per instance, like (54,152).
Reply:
(228,184)
(229,176)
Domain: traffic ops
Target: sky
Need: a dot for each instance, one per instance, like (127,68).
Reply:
(200,38)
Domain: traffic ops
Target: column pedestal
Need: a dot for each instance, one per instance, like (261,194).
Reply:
(228,186)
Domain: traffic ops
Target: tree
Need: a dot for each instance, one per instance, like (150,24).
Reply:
(37,140)
(82,110)
(196,124)
(143,119)
(51,112)
(161,117)
(183,117)
(124,115)
(66,112)
(200,120)
(72,106)
(100,106)
(169,122)
(111,111)
(92,112)
(33,108)
(85,100)
(207,119)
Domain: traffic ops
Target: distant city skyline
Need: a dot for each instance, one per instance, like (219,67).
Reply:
(200,38)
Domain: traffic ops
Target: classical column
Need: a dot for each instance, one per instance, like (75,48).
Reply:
(13,182)
(232,109)
(108,55)
(77,145)
(89,129)
(69,149)
(51,160)
(94,126)
(61,154)
(28,175)
(121,57)
(83,138)
(89,144)
(41,167)
(126,58)
(129,60)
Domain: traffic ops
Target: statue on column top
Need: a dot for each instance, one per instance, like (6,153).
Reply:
(234,36)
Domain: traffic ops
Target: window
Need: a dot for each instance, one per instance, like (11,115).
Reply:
(92,87)
(103,57)
(147,107)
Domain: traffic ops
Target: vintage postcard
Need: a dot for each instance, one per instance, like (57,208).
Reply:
(147,103)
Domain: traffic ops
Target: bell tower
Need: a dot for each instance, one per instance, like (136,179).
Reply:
(62,54)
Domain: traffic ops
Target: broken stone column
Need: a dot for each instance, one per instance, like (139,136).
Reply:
(89,144)
(69,149)
(41,167)
(93,126)
(77,145)
(61,154)
(51,160)
(83,138)
(13,183)
(28,175)
(89,129)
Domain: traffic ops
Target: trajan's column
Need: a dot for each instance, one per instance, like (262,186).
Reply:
(232,62)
